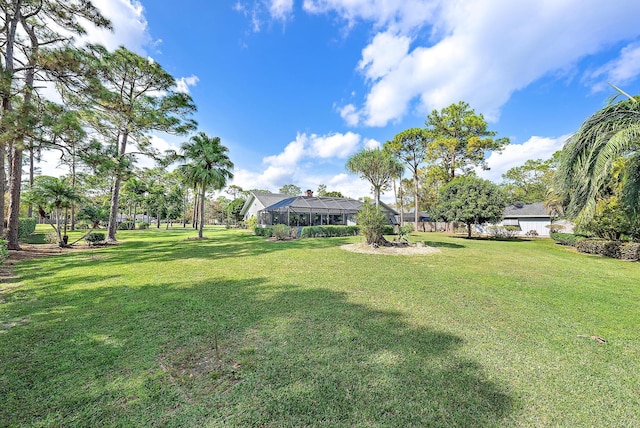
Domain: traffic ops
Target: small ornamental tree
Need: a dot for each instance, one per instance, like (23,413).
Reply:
(371,221)
(470,200)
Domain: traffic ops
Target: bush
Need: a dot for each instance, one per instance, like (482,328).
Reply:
(4,253)
(568,239)
(94,238)
(281,232)
(125,225)
(26,226)
(601,247)
(531,234)
(372,222)
(252,222)
(630,251)
(143,225)
(263,231)
(388,229)
(508,232)
(328,231)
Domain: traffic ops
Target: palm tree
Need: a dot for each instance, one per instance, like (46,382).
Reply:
(377,166)
(589,157)
(208,167)
(53,195)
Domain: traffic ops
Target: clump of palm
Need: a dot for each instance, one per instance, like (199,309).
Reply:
(53,196)
(207,167)
(94,215)
(589,159)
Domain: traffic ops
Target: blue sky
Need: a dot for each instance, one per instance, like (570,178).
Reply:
(294,87)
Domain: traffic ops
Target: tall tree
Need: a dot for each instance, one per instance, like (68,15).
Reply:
(130,97)
(529,182)
(377,166)
(460,139)
(589,156)
(208,167)
(410,146)
(291,190)
(470,200)
(52,195)
(26,31)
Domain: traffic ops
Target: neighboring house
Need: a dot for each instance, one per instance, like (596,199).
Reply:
(309,210)
(528,218)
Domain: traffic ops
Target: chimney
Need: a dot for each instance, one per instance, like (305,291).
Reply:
(309,193)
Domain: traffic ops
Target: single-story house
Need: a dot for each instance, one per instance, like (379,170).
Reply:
(308,210)
(528,218)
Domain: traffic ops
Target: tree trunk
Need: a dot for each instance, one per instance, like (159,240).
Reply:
(113,211)
(2,186)
(201,225)
(415,197)
(469,230)
(14,197)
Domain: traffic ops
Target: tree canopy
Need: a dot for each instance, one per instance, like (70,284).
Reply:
(377,166)
(470,200)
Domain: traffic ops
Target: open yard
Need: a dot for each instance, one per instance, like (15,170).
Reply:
(238,331)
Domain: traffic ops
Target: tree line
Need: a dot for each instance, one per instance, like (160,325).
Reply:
(109,105)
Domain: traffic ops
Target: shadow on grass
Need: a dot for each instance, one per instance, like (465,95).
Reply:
(232,352)
(440,244)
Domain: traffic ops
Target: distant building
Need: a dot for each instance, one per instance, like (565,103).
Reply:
(272,208)
(528,218)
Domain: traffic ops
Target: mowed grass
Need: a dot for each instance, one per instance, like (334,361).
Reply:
(238,331)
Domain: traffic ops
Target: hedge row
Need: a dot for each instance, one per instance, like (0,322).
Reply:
(26,226)
(612,249)
(566,238)
(328,231)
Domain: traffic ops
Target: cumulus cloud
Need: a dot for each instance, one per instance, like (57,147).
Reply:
(130,28)
(298,164)
(477,51)
(620,71)
(183,83)
(517,154)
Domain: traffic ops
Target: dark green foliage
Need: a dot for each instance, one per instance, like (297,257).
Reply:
(470,200)
(601,247)
(263,231)
(125,225)
(94,238)
(328,231)
(387,229)
(630,251)
(4,253)
(143,225)
(26,226)
(566,238)
(372,222)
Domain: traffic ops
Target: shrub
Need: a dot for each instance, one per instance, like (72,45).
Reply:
(252,222)
(281,232)
(601,247)
(94,238)
(125,225)
(263,231)
(26,226)
(388,229)
(51,238)
(531,234)
(509,232)
(4,253)
(630,251)
(568,239)
(143,225)
(328,231)
(372,222)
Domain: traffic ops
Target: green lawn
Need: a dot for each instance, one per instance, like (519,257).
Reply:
(238,331)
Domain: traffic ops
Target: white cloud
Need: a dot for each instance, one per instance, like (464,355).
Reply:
(371,144)
(334,145)
(620,71)
(476,51)
(183,83)
(517,154)
(130,28)
(281,9)
(350,114)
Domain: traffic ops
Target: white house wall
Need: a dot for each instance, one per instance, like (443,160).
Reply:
(537,224)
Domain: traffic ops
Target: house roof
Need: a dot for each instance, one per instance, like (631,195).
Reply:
(316,204)
(265,199)
(535,209)
(410,216)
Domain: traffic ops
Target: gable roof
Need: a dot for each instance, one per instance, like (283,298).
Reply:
(535,209)
(263,198)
